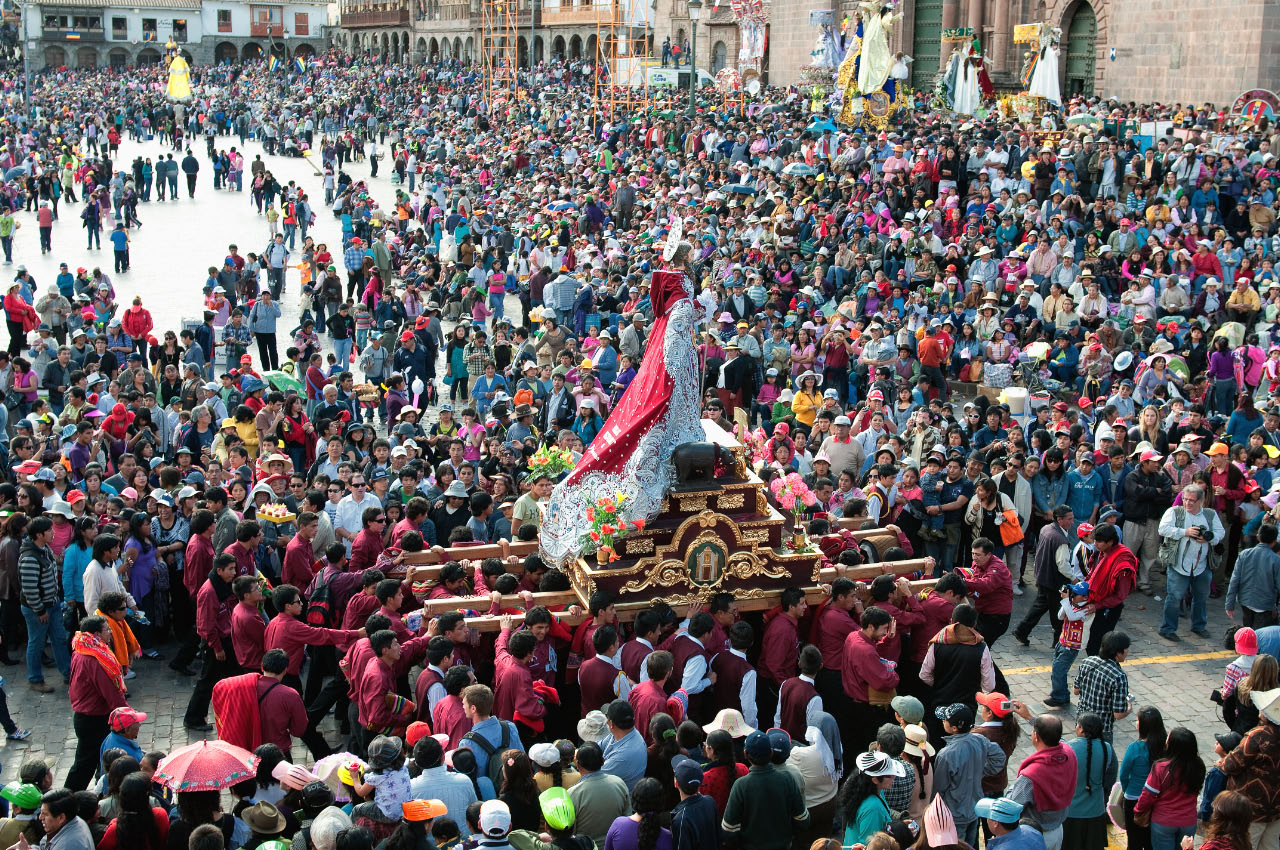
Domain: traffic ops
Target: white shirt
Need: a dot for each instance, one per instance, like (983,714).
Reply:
(350,511)
(811,710)
(99,579)
(694,678)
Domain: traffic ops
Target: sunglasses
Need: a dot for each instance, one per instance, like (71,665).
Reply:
(357,484)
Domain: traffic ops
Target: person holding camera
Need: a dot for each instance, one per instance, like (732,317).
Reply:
(1189,531)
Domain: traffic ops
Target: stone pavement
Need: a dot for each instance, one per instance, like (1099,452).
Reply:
(1177,678)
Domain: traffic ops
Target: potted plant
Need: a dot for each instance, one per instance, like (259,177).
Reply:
(607,526)
(794,496)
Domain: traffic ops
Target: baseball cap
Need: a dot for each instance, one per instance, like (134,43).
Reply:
(1083,530)
(999,809)
(779,742)
(22,794)
(993,701)
(757,746)
(910,708)
(420,810)
(688,773)
(1151,456)
(124,717)
(957,714)
(495,819)
(1080,588)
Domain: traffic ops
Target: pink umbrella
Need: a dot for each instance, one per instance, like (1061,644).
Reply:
(206,766)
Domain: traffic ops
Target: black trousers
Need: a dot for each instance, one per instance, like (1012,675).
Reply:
(1046,601)
(992,627)
(91,730)
(212,671)
(267,352)
(1103,622)
(191,185)
(1257,619)
(767,692)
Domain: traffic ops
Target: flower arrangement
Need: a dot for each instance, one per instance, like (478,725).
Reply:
(551,462)
(607,526)
(757,443)
(793,495)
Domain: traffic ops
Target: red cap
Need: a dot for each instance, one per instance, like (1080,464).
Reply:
(245,358)
(406,336)
(1146,456)
(993,702)
(124,717)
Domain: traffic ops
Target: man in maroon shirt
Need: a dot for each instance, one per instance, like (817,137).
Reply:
(600,679)
(893,594)
(449,717)
(650,697)
(248,626)
(645,630)
(248,536)
(864,670)
(197,565)
(513,694)
(94,695)
(991,585)
(937,603)
(367,545)
(780,651)
(287,631)
(429,689)
(213,623)
(382,710)
(832,625)
(299,558)
(280,710)
(364,603)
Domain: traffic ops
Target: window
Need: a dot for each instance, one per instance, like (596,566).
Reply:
(224,20)
(148,29)
(119,29)
(180,30)
(300,24)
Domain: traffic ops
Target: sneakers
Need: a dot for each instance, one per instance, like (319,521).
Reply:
(19,735)
(132,674)
(40,687)
(1017,590)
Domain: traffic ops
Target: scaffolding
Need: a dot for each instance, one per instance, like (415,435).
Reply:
(623,39)
(498,49)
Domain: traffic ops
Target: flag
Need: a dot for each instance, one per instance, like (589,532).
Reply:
(273,63)
(300,65)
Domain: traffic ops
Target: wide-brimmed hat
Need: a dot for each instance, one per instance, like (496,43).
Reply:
(917,741)
(264,819)
(730,720)
(457,490)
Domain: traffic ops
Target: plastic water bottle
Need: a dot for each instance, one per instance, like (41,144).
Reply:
(138,617)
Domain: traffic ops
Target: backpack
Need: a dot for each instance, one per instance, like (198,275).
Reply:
(320,608)
(494,766)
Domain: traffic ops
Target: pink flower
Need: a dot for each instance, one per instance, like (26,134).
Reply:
(809,499)
(775,485)
(788,502)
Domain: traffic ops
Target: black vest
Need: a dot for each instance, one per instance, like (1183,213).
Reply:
(957,672)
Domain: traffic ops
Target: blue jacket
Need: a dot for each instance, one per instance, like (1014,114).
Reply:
(262,318)
(1084,493)
(1047,494)
(1113,491)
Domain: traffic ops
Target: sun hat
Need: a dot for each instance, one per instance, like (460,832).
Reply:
(939,825)
(917,740)
(1267,702)
(729,720)
(264,819)
(593,727)
(879,764)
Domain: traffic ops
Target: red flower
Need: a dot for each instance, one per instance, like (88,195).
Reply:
(610,509)
(591,514)
(608,528)
(638,524)
(595,536)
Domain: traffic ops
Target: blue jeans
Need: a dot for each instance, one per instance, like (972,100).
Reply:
(944,551)
(1169,837)
(342,349)
(52,630)
(1063,658)
(497,305)
(1176,585)
(1224,396)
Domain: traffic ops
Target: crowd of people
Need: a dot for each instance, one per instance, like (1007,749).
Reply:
(1039,357)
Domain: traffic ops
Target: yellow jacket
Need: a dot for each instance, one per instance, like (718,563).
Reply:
(805,407)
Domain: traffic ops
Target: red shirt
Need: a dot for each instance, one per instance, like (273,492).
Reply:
(359,607)
(365,550)
(931,351)
(248,635)
(294,636)
(109,842)
(907,617)
(513,685)
(863,667)
(937,614)
(374,682)
(448,718)
(198,563)
(281,713)
(834,625)
(299,558)
(213,615)
(781,650)
(92,691)
(245,565)
(993,586)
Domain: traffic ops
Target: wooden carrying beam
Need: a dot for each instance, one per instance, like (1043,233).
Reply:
(626,610)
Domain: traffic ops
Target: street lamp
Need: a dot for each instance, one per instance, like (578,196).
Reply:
(695,11)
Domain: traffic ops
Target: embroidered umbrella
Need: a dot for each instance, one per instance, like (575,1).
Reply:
(206,766)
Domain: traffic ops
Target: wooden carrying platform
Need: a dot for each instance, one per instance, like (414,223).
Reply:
(724,536)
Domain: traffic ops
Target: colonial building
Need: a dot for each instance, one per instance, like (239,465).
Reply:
(92,33)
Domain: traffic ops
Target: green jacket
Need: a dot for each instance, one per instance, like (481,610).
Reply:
(753,817)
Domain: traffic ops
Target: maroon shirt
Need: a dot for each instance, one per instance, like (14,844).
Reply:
(937,614)
(834,625)
(245,565)
(198,564)
(793,699)
(596,678)
(448,718)
(781,649)
(908,616)
(864,667)
(421,690)
(248,635)
(281,713)
(294,636)
(513,685)
(634,653)
(299,558)
(92,691)
(359,607)
(993,587)
(647,699)
(213,615)
(374,682)
(365,550)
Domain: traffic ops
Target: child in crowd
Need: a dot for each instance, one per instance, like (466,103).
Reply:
(1075,615)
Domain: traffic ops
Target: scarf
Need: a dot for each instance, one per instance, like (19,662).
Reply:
(1052,772)
(123,643)
(220,587)
(85,643)
(954,633)
(1105,574)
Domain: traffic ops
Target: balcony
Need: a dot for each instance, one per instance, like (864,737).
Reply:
(262,29)
(379,18)
(566,16)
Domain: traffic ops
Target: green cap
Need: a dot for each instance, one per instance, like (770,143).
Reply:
(557,808)
(24,795)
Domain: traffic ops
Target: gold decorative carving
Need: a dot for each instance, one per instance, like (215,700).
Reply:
(640,546)
(689,504)
(731,501)
(665,574)
(756,535)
